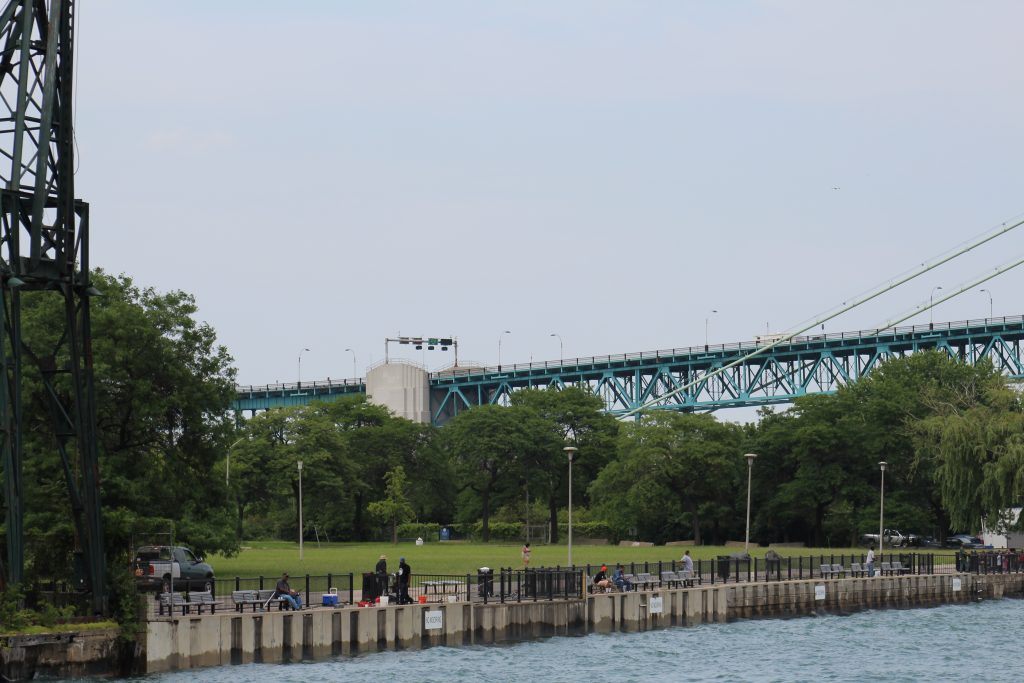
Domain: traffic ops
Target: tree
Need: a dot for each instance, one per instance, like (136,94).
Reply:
(394,508)
(577,418)
(674,473)
(164,389)
(487,445)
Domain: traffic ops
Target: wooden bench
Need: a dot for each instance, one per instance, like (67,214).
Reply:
(172,600)
(203,599)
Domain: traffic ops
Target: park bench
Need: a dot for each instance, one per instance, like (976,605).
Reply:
(857,570)
(898,568)
(671,579)
(649,582)
(826,571)
(203,599)
(172,600)
(886,569)
(838,571)
(686,578)
(246,597)
(270,595)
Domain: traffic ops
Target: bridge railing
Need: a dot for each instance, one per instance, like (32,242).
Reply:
(476,368)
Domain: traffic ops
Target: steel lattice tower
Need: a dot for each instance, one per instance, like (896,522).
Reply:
(44,247)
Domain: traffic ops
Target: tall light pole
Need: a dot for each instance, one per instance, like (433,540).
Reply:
(354,374)
(300,366)
(499,346)
(931,309)
(300,511)
(989,301)
(570,451)
(227,464)
(561,349)
(881,509)
(707,319)
(750,467)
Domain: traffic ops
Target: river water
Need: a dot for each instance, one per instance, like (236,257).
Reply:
(976,641)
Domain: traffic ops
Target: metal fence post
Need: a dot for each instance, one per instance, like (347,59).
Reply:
(307,589)
(351,589)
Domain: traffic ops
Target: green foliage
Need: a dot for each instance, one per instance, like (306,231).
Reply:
(14,617)
(394,508)
(428,531)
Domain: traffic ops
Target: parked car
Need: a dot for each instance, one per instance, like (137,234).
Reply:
(893,539)
(163,568)
(929,542)
(964,541)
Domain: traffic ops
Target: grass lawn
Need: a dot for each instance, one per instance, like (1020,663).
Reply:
(271,558)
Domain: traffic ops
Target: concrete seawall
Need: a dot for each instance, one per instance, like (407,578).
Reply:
(191,641)
(184,642)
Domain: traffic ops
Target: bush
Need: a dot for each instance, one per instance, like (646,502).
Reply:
(588,530)
(499,531)
(428,531)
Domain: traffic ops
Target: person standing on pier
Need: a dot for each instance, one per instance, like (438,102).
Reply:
(404,573)
(526,555)
(869,565)
(381,574)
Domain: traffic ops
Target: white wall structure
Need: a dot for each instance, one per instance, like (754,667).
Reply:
(1001,536)
(402,387)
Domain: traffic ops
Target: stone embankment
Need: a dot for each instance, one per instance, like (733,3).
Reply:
(188,641)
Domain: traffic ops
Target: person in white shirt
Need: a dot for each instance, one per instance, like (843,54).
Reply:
(870,564)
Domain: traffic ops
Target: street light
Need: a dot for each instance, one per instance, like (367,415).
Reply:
(300,366)
(706,319)
(499,347)
(570,451)
(561,349)
(227,464)
(300,511)
(750,467)
(354,374)
(989,301)
(881,509)
(931,310)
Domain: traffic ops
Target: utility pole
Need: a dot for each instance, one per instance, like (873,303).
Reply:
(44,252)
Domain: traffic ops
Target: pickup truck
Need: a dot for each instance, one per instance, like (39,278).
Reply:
(893,539)
(163,567)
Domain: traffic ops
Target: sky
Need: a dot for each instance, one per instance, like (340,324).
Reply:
(323,175)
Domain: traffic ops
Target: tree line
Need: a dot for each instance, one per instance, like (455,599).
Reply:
(173,456)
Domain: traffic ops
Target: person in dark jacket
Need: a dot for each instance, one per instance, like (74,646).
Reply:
(404,574)
(283,590)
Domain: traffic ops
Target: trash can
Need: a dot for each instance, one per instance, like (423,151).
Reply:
(723,567)
(369,587)
(485,582)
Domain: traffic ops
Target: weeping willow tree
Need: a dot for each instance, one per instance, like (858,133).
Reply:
(976,440)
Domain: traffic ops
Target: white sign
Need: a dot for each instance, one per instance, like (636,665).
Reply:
(657,605)
(433,620)
(819,592)
(956,584)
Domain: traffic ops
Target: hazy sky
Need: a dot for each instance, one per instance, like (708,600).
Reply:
(323,174)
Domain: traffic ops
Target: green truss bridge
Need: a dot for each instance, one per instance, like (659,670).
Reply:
(811,364)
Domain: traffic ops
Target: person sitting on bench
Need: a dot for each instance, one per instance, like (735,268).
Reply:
(620,580)
(285,591)
(601,579)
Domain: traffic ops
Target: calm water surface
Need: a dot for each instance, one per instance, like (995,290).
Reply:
(978,641)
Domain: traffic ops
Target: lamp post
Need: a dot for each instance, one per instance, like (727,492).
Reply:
(707,318)
(989,301)
(570,451)
(354,374)
(750,467)
(931,310)
(300,511)
(499,347)
(561,348)
(300,366)
(227,464)
(881,509)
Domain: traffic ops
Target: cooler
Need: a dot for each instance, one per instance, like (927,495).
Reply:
(331,599)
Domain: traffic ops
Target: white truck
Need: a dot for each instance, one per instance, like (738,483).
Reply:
(893,539)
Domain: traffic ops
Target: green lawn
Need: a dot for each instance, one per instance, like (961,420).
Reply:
(271,558)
